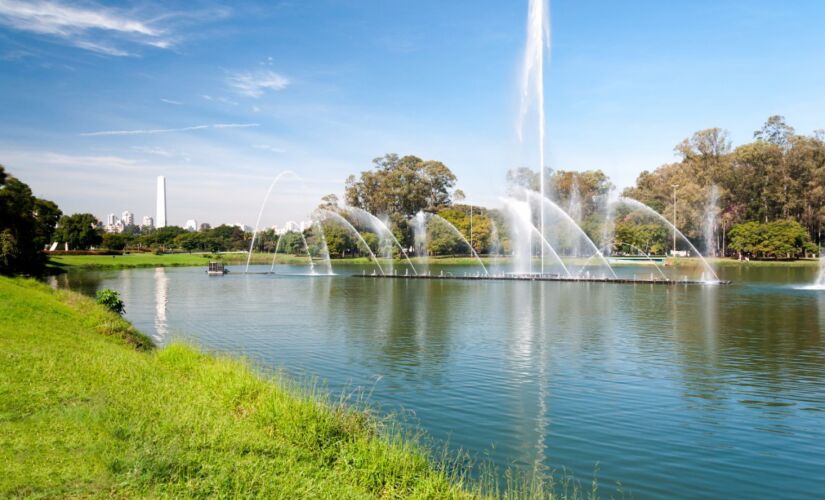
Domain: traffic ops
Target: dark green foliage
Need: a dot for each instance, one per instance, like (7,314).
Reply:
(111,300)
(26,227)
(782,239)
(80,231)
(633,238)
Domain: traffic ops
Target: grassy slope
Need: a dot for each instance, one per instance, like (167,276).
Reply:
(84,412)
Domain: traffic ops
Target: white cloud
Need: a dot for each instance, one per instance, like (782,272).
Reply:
(267,147)
(256,83)
(170,101)
(77,24)
(167,130)
(235,125)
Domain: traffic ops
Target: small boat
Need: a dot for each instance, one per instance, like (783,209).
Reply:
(216,269)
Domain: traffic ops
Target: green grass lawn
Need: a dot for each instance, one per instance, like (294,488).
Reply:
(89,408)
(164,260)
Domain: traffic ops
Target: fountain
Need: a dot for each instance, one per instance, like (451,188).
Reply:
(309,256)
(328,214)
(521,219)
(380,227)
(580,236)
(644,208)
(455,230)
(261,212)
(532,84)
(709,226)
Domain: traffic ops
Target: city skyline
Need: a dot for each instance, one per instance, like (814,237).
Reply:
(89,109)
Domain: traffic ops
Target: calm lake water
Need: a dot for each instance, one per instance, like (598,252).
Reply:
(684,391)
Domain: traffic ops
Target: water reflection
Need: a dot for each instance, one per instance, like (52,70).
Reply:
(161,298)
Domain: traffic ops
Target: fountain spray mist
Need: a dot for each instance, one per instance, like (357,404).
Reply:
(532,82)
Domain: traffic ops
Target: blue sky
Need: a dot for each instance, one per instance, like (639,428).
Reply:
(99,98)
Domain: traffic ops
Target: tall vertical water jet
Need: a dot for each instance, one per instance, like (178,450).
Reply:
(522,231)
(261,212)
(532,83)
(820,279)
(710,224)
(419,224)
(574,203)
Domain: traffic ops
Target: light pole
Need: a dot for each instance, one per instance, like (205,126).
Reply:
(674,186)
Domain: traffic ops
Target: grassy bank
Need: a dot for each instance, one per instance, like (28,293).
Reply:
(89,408)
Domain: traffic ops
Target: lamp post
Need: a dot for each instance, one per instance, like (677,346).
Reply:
(674,186)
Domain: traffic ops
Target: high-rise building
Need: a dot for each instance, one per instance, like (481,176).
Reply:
(161,202)
(148,222)
(191,225)
(111,220)
(128,218)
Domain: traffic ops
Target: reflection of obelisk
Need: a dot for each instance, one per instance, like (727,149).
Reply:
(160,221)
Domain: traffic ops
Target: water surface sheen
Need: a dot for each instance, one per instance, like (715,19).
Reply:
(685,391)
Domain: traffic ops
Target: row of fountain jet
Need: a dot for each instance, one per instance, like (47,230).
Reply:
(569,251)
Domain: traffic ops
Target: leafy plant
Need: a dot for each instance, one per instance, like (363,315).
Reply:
(111,299)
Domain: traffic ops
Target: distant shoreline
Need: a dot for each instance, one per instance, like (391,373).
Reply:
(60,263)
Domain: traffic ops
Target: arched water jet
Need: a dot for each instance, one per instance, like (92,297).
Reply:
(545,202)
(457,232)
(348,224)
(324,248)
(649,258)
(261,212)
(641,206)
(517,209)
(309,255)
(275,255)
(380,226)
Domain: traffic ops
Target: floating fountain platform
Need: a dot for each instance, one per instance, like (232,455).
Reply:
(542,277)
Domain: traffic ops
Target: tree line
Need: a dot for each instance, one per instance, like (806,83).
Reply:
(768,197)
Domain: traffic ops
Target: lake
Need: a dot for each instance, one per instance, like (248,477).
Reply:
(677,391)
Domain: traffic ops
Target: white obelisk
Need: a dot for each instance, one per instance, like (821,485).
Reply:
(160,221)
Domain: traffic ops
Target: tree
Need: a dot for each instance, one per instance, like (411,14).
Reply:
(523,178)
(79,231)
(26,227)
(775,131)
(781,239)
(401,186)
(329,202)
(115,241)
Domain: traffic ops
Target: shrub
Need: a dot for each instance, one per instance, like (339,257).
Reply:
(111,299)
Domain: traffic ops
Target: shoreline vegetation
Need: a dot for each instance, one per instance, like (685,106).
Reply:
(90,407)
(59,263)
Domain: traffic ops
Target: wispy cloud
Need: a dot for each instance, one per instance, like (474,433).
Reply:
(254,84)
(80,25)
(219,99)
(167,130)
(170,101)
(235,125)
(267,147)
